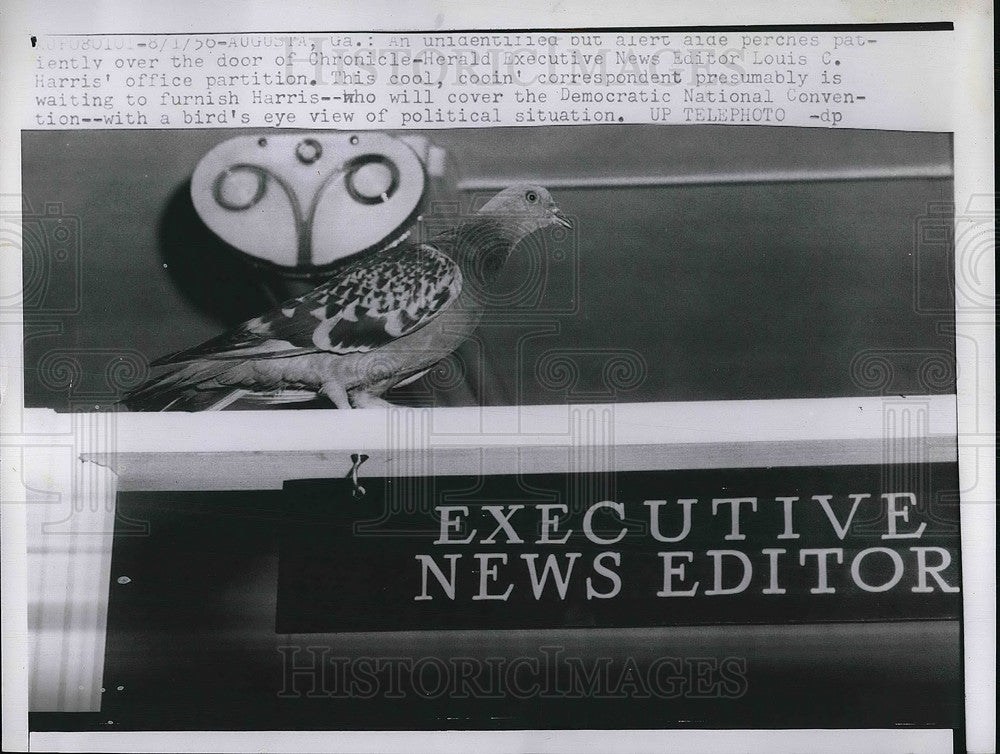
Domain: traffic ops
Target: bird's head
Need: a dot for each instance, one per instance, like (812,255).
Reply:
(487,238)
(523,209)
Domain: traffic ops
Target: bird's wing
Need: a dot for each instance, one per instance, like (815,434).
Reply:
(366,305)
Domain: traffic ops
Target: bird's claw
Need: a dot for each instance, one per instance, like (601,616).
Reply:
(363,400)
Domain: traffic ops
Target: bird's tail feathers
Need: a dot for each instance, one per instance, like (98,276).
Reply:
(190,386)
(194,386)
(270,349)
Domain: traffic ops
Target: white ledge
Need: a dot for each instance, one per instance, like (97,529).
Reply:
(632,423)
(243,449)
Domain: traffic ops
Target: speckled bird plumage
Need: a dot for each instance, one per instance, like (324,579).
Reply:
(381,321)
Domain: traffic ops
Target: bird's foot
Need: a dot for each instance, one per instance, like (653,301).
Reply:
(336,393)
(367,400)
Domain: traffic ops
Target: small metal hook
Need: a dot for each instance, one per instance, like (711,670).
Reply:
(356,460)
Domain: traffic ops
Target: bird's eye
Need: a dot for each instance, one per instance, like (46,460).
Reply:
(531,197)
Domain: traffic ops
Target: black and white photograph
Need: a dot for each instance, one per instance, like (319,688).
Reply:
(493,431)
(334,271)
(493,267)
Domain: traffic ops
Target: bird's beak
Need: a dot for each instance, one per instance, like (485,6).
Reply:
(561,219)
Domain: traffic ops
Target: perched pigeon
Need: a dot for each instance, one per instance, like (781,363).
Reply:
(382,321)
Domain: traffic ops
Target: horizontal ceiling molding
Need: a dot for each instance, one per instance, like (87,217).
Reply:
(880,173)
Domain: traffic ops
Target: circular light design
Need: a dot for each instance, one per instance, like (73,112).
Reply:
(240,187)
(308,151)
(372,179)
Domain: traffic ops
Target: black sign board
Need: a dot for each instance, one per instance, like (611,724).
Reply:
(649,548)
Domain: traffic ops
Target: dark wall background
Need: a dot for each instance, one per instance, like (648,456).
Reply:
(726,291)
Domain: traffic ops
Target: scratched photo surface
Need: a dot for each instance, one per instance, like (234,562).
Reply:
(581,264)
